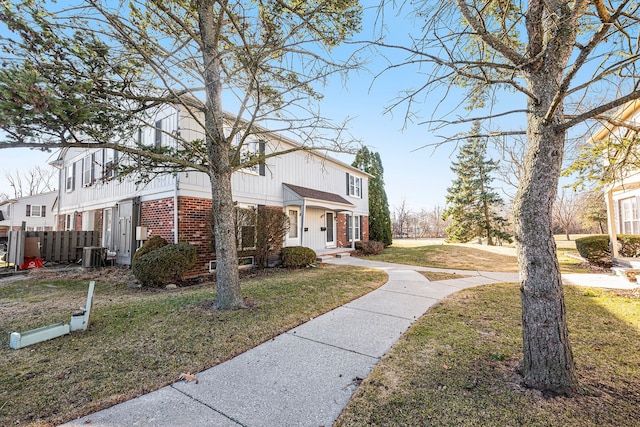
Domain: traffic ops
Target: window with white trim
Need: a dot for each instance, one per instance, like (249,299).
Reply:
(246,222)
(629,216)
(36,210)
(293,224)
(354,186)
(88,170)
(70,182)
(110,166)
(354,227)
(158,134)
(107,227)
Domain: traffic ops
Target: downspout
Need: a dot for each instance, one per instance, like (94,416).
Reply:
(177,186)
(304,211)
(353,231)
(613,237)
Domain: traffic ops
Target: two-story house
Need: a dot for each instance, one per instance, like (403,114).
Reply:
(325,199)
(34,211)
(622,196)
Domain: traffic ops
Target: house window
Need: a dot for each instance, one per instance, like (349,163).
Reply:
(88,170)
(107,234)
(68,222)
(158,134)
(70,183)
(110,166)
(246,218)
(293,224)
(36,210)
(629,216)
(354,228)
(139,137)
(354,185)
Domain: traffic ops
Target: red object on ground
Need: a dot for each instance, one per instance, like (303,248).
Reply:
(31,262)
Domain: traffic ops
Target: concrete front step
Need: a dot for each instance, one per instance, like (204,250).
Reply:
(627,273)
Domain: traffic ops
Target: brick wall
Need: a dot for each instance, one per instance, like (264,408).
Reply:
(341,230)
(194,227)
(157,215)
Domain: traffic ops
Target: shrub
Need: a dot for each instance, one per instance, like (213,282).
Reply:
(297,256)
(155,242)
(371,247)
(628,245)
(165,265)
(595,249)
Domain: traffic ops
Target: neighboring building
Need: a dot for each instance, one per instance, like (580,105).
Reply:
(623,196)
(326,200)
(34,211)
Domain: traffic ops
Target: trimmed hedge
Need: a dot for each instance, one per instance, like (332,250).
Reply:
(165,265)
(372,247)
(155,242)
(596,249)
(297,256)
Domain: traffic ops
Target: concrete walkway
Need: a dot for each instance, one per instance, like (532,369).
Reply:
(304,377)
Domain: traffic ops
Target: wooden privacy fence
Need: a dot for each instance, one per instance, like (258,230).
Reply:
(63,246)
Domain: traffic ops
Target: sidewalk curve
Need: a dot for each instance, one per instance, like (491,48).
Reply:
(306,376)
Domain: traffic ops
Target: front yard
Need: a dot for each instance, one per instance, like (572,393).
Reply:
(140,340)
(456,366)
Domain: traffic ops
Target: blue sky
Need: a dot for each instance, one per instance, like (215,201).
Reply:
(419,177)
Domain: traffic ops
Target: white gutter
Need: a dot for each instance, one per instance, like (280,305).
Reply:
(304,212)
(177,187)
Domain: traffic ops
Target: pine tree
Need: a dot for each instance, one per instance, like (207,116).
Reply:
(472,204)
(379,216)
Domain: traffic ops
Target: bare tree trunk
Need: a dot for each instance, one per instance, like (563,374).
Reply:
(228,296)
(548,361)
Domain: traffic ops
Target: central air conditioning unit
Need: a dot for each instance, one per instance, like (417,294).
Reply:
(94,256)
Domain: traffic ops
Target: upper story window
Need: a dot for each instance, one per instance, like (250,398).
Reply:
(36,211)
(70,177)
(354,185)
(110,164)
(158,134)
(88,170)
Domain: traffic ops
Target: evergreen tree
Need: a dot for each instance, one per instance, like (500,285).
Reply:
(472,204)
(379,216)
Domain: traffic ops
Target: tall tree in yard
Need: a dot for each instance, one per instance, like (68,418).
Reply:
(379,215)
(472,204)
(89,76)
(567,63)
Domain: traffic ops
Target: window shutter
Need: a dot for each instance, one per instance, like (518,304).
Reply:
(349,224)
(43,211)
(28,210)
(361,234)
(262,170)
(347,183)
(73,180)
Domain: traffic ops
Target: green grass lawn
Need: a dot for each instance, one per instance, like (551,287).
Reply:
(468,258)
(457,366)
(140,340)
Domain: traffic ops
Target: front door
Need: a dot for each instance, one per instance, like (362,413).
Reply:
(330,229)
(125,212)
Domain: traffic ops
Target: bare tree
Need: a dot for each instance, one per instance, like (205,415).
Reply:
(570,63)
(36,180)
(400,221)
(566,210)
(91,76)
